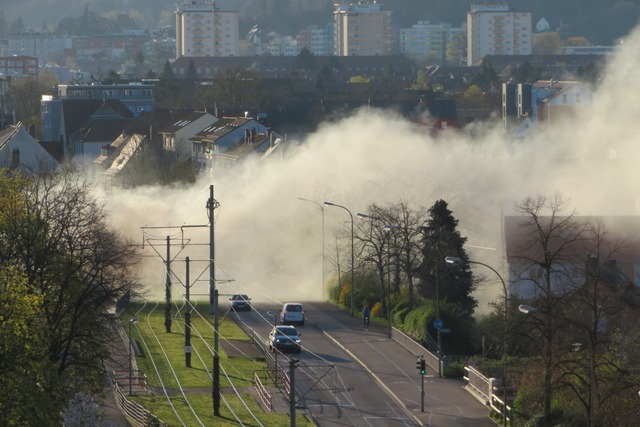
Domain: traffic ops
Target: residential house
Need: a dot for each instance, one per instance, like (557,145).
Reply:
(101,128)
(623,234)
(230,140)
(175,138)
(21,151)
(544,104)
(63,119)
(115,160)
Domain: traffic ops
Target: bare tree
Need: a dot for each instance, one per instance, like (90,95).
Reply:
(598,313)
(390,241)
(545,256)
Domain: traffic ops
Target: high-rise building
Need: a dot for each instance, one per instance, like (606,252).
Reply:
(318,41)
(202,29)
(493,30)
(362,29)
(425,41)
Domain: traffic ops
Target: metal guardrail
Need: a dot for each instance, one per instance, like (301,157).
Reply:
(486,390)
(137,415)
(263,394)
(416,348)
(279,375)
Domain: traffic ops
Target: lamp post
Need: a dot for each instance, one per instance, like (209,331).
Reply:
(133,320)
(456,260)
(352,252)
(323,256)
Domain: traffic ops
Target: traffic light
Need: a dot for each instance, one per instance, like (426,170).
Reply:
(421,365)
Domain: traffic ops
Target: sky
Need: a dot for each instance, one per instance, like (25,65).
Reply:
(269,243)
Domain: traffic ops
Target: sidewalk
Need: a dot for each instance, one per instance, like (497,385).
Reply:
(446,402)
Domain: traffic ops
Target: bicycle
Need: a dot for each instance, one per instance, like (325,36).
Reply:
(366,323)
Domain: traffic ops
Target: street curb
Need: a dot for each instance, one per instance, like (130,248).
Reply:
(375,377)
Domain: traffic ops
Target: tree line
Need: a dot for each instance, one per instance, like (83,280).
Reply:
(62,270)
(567,345)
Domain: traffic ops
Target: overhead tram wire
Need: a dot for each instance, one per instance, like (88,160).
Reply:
(178,381)
(155,367)
(236,392)
(175,376)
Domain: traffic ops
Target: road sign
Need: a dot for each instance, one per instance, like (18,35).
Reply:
(445,330)
(438,324)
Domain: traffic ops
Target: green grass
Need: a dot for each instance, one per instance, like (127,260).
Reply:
(197,378)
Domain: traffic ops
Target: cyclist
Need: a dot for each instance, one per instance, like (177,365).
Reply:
(366,314)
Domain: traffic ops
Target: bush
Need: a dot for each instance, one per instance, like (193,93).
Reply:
(376,310)
(415,323)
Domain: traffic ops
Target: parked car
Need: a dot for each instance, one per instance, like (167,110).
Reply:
(240,302)
(292,313)
(285,338)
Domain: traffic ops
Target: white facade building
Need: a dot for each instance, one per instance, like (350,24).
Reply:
(204,30)
(493,30)
(362,29)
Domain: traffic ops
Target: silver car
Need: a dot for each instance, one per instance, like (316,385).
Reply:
(292,313)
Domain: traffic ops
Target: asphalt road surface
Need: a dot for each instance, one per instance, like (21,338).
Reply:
(347,376)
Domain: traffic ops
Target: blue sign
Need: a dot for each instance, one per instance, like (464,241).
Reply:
(438,324)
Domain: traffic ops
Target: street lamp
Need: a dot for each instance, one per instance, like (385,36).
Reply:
(352,255)
(133,320)
(323,256)
(456,260)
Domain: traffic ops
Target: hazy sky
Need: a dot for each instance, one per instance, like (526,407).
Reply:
(269,243)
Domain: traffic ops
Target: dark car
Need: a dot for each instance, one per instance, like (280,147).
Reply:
(240,302)
(285,338)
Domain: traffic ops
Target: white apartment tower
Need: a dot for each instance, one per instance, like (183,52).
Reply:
(204,30)
(493,30)
(362,29)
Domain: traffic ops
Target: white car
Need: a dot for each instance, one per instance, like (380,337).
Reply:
(292,313)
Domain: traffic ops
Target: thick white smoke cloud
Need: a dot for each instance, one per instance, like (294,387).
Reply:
(269,243)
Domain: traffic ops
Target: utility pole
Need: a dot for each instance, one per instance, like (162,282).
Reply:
(187,321)
(212,204)
(167,289)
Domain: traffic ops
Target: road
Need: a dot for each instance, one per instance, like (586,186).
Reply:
(350,377)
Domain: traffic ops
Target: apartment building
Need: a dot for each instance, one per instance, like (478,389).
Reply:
(202,29)
(494,30)
(362,29)
(19,66)
(135,97)
(318,41)
(425,41)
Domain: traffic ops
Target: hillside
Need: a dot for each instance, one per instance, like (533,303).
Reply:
(600,21)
